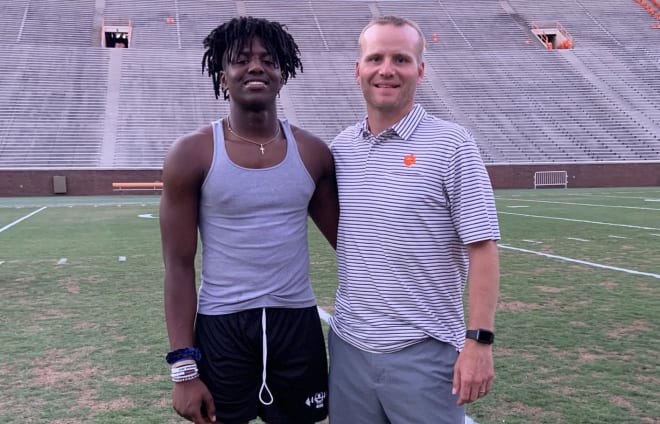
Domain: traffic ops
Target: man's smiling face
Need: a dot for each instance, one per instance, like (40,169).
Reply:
(389,68)
(253,76)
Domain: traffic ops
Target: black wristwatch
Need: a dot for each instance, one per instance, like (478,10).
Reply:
(481,336)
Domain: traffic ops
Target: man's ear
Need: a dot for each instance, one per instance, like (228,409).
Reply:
(280,86)
(223,80)
(357,72)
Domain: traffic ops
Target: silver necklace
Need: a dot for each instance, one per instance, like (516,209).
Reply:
(261,144)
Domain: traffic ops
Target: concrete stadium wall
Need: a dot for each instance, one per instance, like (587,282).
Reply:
(80,182)
(580,175)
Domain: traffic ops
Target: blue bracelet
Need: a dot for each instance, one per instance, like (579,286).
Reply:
(184,353)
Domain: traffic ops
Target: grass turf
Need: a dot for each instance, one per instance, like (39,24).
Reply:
(83,334)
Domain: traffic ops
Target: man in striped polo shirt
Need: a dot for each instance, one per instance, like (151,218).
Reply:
(417,223)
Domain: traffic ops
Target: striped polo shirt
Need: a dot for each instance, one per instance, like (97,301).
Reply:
(410,198)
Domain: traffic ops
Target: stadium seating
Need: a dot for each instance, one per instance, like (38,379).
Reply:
(65,102)
(51,105)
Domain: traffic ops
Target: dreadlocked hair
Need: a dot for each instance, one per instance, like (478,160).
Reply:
(229,39)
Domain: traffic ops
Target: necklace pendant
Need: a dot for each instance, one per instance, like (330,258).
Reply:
(260,144)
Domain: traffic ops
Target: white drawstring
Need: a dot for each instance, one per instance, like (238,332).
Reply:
(265,355)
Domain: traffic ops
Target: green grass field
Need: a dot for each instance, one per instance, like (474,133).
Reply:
(82,334)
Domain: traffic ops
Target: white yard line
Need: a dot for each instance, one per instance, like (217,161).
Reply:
(579,261)
(580,204)
(581,220)
(6,227)
(609,196)
(96,204)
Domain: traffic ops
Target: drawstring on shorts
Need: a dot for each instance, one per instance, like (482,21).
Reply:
(264,386)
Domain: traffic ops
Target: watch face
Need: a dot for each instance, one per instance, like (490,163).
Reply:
(484,336)
(481,336)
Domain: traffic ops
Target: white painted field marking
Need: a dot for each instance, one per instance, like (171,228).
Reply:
(657,235)
(147,216)
(533,241)
(517,206)
(6,227)
(611,196)
(581,220)
(652,200)
(579,261)
(62,261)
(576,239)
(2,262)
(633,192)
(54,204)
(617,237)
(582,204)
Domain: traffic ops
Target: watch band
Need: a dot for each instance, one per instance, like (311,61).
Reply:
(481,335)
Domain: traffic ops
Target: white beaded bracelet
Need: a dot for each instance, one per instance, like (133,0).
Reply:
(184,379)
(184,372)
(183,362)
(184,369)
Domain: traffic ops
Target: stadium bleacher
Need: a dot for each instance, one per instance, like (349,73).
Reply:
(65,102)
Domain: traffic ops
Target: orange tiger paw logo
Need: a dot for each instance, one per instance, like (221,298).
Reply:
(409,159)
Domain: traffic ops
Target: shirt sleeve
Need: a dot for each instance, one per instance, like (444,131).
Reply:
(470,194)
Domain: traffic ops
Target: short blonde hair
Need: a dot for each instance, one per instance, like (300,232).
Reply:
(397,21)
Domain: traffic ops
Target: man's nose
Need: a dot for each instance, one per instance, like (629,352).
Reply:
(256,65)
(386,69)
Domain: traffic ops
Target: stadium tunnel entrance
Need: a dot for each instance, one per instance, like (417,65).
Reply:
(116,33)
(553,35)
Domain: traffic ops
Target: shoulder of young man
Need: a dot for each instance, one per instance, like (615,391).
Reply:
(200,135)
(193,149)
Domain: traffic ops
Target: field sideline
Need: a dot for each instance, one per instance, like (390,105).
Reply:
(83,333)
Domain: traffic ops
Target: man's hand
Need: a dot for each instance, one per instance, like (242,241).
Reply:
(193,401)
(473,372)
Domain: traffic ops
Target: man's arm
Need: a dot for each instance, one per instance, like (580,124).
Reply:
(324,205)
(474,370)
(483,283)
(178,228)
(183,174)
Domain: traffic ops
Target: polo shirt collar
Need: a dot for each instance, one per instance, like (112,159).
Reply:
(404,128)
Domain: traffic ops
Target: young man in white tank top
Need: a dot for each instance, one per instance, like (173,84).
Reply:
(250,343)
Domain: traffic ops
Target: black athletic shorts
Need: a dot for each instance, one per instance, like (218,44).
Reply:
(296,369)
